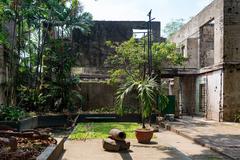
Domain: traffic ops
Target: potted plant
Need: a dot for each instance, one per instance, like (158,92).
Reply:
(146,90)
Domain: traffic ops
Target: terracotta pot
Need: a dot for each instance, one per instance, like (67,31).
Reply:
(144,135)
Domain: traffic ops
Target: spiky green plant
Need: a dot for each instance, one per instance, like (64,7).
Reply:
(146,89)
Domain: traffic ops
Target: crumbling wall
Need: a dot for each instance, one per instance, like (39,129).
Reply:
(231,98)
(188,98)
(231,31)
(97,95)
(189,49)
(184,90)
(219,57)
(214,11)
(207,45)
(204,38)
(176,92)
(192,53)
(93,53)
(93,47)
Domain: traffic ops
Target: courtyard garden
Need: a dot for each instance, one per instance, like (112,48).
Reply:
(40,54)
(100,88)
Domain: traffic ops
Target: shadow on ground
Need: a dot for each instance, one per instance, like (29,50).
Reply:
(227,144)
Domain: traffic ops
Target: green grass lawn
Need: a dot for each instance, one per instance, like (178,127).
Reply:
(100,130)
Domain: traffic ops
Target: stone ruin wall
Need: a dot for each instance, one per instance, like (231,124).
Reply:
(231,100)
(207,45)
(93,47)
(93,54)
(204,47)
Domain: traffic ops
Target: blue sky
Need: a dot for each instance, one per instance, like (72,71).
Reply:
(163,10)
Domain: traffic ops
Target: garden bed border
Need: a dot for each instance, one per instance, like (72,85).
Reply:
(54,151)
(61,120)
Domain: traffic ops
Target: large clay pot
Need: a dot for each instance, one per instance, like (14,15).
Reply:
(144,135)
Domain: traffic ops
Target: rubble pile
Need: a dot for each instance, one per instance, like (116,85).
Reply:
(23,145)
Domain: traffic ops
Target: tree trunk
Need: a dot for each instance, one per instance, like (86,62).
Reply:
(143,123)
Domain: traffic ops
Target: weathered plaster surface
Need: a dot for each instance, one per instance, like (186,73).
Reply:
(93,46)
(231,96)
(192,29)
(217,57)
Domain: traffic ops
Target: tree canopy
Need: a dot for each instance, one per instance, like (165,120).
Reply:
(173,26)
(130,60)
(40,52)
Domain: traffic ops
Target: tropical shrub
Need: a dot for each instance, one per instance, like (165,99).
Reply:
(237,117)
(11,113)
(40,52)
(146,90)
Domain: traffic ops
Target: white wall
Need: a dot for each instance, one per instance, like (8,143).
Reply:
(214,92)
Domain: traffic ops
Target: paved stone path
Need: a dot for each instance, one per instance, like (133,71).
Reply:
(188,147)
(221,137)
(166,146)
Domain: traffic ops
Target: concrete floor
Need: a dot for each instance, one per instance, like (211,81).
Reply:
(188,147)
(166,146)
(222,137)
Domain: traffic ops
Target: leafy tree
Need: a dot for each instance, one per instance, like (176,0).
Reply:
(38,61)
(173,26)
(128,63)
(129,59)
(2,32)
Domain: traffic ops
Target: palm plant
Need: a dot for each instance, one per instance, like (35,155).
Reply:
(40,51)
(146,89)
